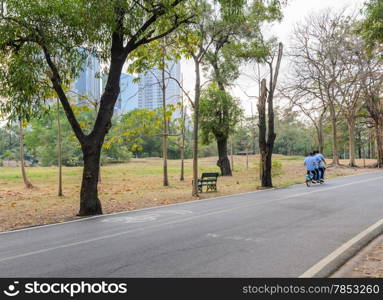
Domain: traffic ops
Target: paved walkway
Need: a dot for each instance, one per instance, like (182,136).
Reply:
(368,263)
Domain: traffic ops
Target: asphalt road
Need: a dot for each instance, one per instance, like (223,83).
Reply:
(273,233)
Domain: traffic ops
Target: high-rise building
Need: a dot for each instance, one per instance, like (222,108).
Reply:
(128,98)
(149,87)
(88,83)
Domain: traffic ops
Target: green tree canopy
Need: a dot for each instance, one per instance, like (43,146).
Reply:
(50,38)
(220,112)
(372,25)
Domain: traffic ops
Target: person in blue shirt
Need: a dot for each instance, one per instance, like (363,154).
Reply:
(310,163)
(321,162)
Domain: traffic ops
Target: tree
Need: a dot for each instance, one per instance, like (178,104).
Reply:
(27,183)
(183,116)
(314,109)
(204,33)
(371,29)
(160,56)
(294,134)
(135,127)
(196,44)
(351,75)
(372,26)
(220,113)
(59,150)
(266,144)
(329,63)
(34,31)
(371,91)
(226,54)
(318,64)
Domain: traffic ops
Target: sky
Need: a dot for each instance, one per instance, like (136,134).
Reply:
(295,12)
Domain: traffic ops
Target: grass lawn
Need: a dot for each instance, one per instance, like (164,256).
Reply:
(133,185)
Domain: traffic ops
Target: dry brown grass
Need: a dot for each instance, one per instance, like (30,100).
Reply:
(134,185)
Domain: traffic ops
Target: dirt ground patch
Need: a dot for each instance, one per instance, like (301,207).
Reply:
(133,185)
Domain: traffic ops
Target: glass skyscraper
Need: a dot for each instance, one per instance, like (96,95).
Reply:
(149,87)
(128,98)
(88,84)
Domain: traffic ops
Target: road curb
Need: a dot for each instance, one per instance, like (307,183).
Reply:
(339,257)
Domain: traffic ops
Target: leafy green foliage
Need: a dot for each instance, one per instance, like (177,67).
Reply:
(41,140)
(69,31)
(372,25)
(137,124)
(9,142)
(219,113)
(294,137)
(239,38)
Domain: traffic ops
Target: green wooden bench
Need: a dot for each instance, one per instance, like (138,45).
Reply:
(209,180)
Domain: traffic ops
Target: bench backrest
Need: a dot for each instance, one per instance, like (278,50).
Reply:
(210,175)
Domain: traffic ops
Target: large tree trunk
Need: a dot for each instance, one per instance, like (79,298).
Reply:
(351,142)
(89,202)
(335,153)
(264,168)
(121,46)
(197,94)
(267,175)
(267,146)
(27,183)
(91,143)
(223,161)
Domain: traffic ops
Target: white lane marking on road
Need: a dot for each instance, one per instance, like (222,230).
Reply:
(168,223)
(134,219)
(315,269)
(213,235)
(163,206)
(231,237)
(176,212)
(146,217)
